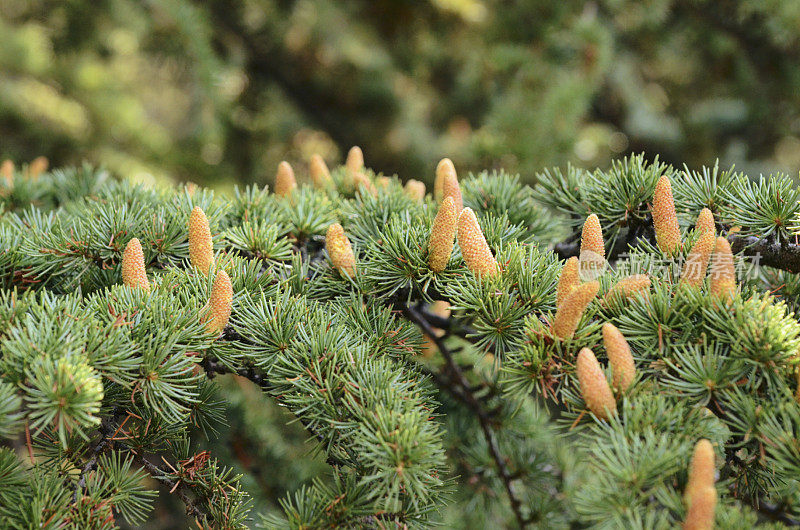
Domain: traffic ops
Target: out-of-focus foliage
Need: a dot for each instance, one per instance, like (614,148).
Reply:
(224,89)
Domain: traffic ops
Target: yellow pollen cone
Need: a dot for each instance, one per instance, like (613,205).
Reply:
(665,220)
(219,303)
(568,280)
(619,357)
(694,269)
(285,183)
(415,189)
(443,233)
(569,313)
(627,287)
(722,282)
(593,252)
(705,221)
(133,271)
(701,470)
(320,175)
(476,252)
(594,386)
(201,247)
(451,188)
(444,167)
(339,249)
(700,515)
(38,166)
(7,172)
(355,160)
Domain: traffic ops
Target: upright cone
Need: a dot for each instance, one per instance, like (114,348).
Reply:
(665,220)
(694,269)
(701,470)
(416,190)
(201,247)
(476,252)
(705,221)
(568,280)
(133,271)
(219,303)
(619,357)
(594,387)
(443,233)
(569,313)
(355,160)
(445,167)
(700,495)
(320,174)
(285,183)
(593,252)
(723,272)
(340,250)
(700,515)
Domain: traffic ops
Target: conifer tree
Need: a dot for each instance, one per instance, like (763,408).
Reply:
(445,365)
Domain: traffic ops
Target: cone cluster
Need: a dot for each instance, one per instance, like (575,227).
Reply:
(568,280)
(628,287)
(7,172)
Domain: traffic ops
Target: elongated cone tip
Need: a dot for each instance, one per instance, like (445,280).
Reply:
(619,357)
(723,271)
(451,188)
(415,189)
(285,183)
(594,386)
(665,220)
(700,515)
(705,221)
(445,167)
(569,280)
(476,252)
(320,175)
(38,166)
(569,313)
(219,303)
(7,172)
(355,160)
(133,272)
(593,252)
(701,470)
(339,249)
(201,247)
(694,269)
(443,233)
(627,287)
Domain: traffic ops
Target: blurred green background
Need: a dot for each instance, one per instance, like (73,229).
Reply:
(220,91)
